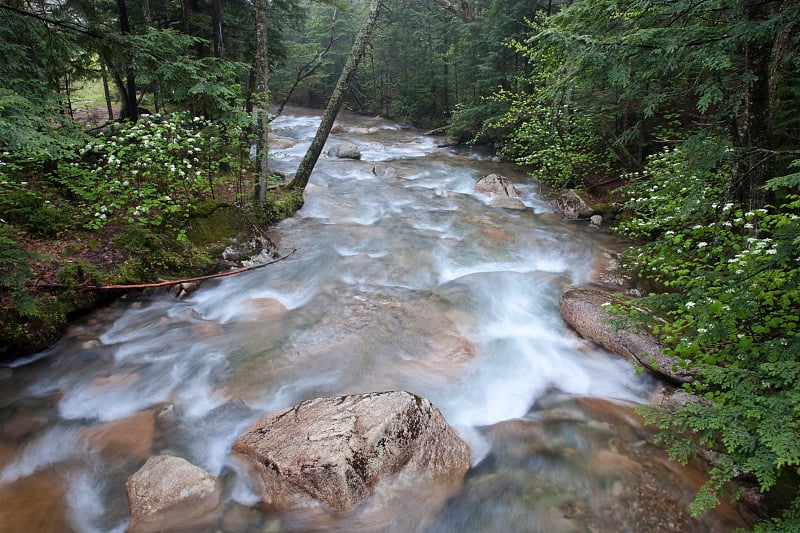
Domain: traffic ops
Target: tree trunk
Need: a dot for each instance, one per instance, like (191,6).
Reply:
(351,66)
(261,107)
(106,91)
(148,23)
(132,105)
(755,167)
(216,23)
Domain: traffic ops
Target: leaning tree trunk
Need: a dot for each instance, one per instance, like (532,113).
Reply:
(261,74)
(359,46)
(106,91)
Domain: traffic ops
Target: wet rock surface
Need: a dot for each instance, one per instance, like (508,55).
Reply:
(345,151)
(170,494)
(495,185)
(334,451)
(130,437)
(574,204)
(584,308)
(535,477)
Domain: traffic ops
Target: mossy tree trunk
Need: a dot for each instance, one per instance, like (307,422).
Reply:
(351,66)
(261,108)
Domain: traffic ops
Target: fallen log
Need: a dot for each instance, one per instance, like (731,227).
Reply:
(438,131)
(163,283)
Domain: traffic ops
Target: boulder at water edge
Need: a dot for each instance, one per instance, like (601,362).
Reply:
(584,309)
(574,204)
(171,494)
(345,151)
(495,185)
(332,452)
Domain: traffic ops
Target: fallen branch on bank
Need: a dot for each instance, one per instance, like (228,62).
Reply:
(438,131)
(168,283)
(193,280)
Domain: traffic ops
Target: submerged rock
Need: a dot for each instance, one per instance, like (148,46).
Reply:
(34,503)
(127,437)
(508,203)
(169,493)
(584,309)
(332,452)
(495,185)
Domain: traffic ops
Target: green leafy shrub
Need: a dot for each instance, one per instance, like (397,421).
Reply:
(15,269)
(730,311)
(558,143)
(25,204)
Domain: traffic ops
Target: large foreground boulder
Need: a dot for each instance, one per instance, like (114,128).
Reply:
(171,494)
(584,309)
(332,452)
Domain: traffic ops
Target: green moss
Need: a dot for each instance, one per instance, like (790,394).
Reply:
(282,203)
(23,335)
(215,223)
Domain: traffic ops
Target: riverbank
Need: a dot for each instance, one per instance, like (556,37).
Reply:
(66,275)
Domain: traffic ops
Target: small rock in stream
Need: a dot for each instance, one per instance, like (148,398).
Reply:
(171,494)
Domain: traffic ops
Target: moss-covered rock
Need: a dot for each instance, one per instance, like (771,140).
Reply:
(282,203)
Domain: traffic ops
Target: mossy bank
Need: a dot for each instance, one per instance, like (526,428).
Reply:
(49,282)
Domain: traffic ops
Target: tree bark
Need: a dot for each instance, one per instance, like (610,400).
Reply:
(261,107)
(131,104)
(106,91)
(755,166)
(216,23)
(148,23)
(351,66)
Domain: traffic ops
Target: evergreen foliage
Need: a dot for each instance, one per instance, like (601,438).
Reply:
(685,94)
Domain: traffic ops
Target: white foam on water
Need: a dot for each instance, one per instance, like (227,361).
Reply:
(85,498)
(53,446)
(88,401)
(522,352)
(210,449)
(196,395)
(242,490)
(350,252)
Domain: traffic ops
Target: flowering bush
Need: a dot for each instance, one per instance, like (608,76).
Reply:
(730,310)
(146,172)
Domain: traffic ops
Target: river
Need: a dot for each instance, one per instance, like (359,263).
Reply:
(403,279)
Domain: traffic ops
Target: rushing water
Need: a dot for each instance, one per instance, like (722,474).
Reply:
(403,278)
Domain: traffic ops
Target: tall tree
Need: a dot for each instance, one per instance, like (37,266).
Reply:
(351,67)
(216,23)
(261,108)
(130,107)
